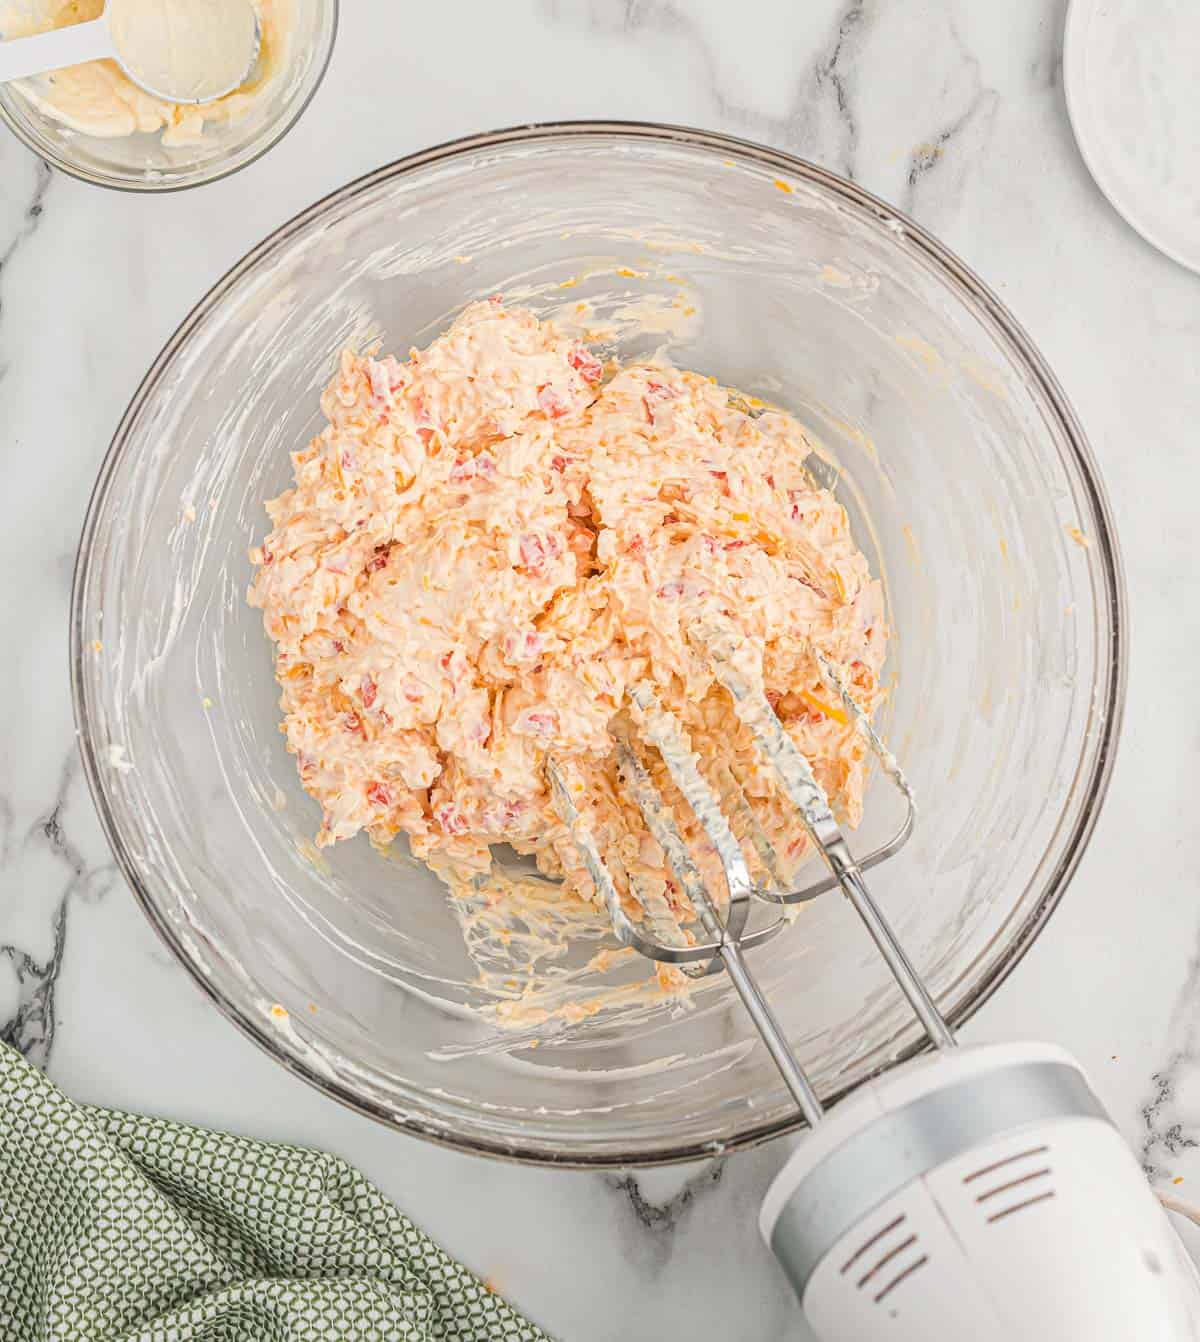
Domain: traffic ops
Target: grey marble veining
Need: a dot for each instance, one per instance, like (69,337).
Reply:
(29,214)
(1170,1115)
(67,876)
(30,1027)
(952,109)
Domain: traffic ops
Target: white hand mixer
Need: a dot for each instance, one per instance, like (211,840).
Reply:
(979,1193)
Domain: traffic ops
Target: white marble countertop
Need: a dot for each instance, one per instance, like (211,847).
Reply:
(954,111)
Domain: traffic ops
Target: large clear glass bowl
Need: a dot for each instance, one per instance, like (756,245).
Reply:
(965,473)
(141,162)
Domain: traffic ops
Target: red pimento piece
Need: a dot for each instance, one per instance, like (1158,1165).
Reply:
(536,722)
(589,367)
(466,469)
(369,691)
(451,819)
(656,394)
(551,403)
(352,722)
(525,646)
(378,795)
(413,691)
(558,463)
(533,553)
(379,561)
(860,675)
(511,811)
(381,382)
(423,421)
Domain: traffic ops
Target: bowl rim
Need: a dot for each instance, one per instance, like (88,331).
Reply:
(1111,596)
(279,131)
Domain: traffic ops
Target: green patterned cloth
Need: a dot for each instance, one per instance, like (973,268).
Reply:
(115,1228)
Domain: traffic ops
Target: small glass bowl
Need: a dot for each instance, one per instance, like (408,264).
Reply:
(141,162)
(969,484)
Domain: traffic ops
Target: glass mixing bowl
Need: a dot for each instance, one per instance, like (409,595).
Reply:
(967,478)
(142,162)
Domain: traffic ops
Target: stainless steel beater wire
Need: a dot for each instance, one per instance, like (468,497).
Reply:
(809,799)
(662,730)
(911,983)
(772,1034)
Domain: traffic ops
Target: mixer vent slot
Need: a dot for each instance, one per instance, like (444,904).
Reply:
(1019,1182)
(1008,1160)
(868,1244)
(895,1281)
(1019,1206)
(872,1272)
(1012,1175)
(884,1260)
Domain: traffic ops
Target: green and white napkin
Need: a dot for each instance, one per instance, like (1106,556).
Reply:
(115,1228)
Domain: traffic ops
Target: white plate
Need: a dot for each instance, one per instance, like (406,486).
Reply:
(1131,71)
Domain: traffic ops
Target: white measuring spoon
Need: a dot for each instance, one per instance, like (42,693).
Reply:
(182,51)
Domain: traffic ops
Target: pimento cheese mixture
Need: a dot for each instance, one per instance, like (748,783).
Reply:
(490,542)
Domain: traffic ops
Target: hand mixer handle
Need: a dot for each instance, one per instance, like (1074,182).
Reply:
(985,1194)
